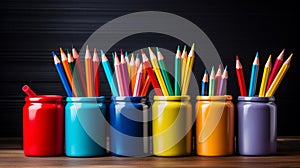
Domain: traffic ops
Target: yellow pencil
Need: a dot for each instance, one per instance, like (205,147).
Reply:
(188,70)
(158,73)
(265,77)
(278,78)
(183,64)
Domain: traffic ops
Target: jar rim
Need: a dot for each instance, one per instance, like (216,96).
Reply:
(81,99)
(173,98)
(44,98)
(256,98)
(128,98)
(216,98)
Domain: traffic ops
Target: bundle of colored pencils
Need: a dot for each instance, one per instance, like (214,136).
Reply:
(70,71)
(272,76)
(214,84)
(133,76)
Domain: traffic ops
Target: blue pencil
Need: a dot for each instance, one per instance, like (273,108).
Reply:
(204,84)
(109,74)
(254,73)
(61,74)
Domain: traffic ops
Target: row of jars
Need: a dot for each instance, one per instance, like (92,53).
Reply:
(136,126)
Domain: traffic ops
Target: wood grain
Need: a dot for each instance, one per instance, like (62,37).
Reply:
(288,155)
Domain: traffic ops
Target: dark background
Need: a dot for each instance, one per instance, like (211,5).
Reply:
(30,30)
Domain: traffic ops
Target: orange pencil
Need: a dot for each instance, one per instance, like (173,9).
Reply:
(64,60)
(145,86)
(89,72)
(132,73)
(96,63)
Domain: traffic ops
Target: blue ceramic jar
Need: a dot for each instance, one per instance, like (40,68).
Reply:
(129,126)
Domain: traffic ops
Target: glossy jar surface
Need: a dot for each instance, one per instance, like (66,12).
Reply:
(129,126)
(172,125)
(214,125)
(85,127)
(257,125)
(43,125)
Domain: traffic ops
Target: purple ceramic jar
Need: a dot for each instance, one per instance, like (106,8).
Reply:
(257,125)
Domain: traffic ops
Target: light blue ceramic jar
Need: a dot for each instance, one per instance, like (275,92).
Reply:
(85,127)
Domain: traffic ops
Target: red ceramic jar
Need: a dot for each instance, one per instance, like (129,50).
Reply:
(43,125)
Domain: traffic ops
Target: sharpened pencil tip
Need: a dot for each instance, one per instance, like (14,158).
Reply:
(157,50)
(53,53)
(101,51)
(142,51)
(178,47)
(184,48)
(149,49)
(256,54)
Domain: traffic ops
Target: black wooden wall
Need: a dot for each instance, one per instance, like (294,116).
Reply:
(31,29)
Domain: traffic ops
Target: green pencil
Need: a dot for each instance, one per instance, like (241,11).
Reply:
(164,72)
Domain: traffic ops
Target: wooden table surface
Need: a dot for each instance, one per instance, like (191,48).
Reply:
(288,155)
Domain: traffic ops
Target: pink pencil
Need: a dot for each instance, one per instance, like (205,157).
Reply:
(138,81)
(125,75)
(119,75)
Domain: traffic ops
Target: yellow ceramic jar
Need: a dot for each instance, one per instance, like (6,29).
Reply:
(172,125)
(214,125)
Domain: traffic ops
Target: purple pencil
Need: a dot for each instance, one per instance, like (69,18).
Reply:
(223,83)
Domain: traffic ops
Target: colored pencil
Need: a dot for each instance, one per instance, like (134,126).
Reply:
(188,70)
(151,74)
(126,59)
(118,72)
(109,74)
(62,75)
(158,72)
(29,92)
(254,73)
(96,63)
(266,73)
(240,77)
(177,80)
(183,65)
(160,59)
(212,85)
(89,72)
(275,69)
(278,78)
(125,75)
(71,61)
(223,83)
(218,79)
(137,86)
(132,73)
(204,84)
(137,62)
(78,74)
(67,70)
(145,86)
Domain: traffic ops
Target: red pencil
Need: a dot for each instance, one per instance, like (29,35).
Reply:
(145,86)
(240,77)
(275,68)
(96,63)
(151,74)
